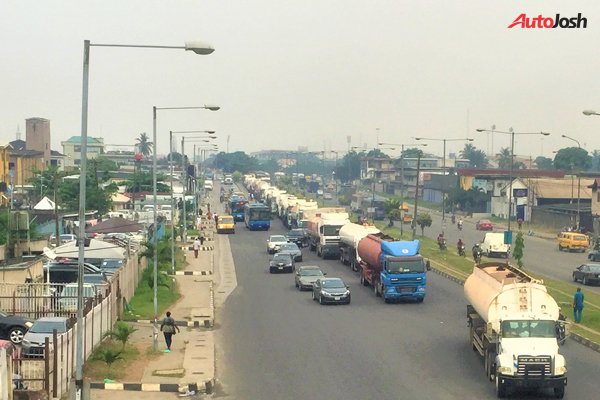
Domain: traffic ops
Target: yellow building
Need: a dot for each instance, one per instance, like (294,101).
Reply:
(26,163)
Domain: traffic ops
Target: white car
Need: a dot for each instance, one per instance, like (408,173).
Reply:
(274,242)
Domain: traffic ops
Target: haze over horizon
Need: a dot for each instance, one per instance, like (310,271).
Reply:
(289,74)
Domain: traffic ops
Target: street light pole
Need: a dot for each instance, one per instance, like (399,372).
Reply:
(577,221)
(512,134)
(173,207)
(198,48)
(444,167)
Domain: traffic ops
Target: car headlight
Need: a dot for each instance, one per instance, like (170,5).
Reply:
(562,370)
(505,370)
(28,324)
(346,293)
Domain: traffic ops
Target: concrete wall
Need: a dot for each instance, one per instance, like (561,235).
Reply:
(19,273)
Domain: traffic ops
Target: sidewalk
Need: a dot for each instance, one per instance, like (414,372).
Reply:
(191,363)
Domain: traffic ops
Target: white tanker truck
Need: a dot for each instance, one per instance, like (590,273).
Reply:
(513,325)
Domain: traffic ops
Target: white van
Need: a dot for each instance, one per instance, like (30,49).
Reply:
(208,185)
(493,245)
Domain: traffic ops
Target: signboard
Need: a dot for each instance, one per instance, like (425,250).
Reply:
(520,192)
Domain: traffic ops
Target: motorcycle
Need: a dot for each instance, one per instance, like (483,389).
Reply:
(477,256)
(453,219)
(461,250)
(460,226)
(442,244)
(561,329)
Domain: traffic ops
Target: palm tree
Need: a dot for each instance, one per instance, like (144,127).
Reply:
(144,145)
(504,158)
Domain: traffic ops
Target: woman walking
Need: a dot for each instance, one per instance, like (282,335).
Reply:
(168,329)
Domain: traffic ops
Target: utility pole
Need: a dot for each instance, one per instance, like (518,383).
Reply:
(414,221)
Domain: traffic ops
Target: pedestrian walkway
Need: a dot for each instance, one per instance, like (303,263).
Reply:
(191,363)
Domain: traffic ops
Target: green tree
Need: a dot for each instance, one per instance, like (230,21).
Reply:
(412,152)
(377,153)
(122,332)
(236,176)
(476,157)
(424,221)
(518,249)
(349,167)
(144,145)
(504,158)
(237,161)
(544,163)
(572,159)
(109,356)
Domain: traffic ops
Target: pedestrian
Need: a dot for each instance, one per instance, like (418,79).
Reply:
(216,218)
(168,328)
(196,246)
(202,239)
(520,223)
(578,305)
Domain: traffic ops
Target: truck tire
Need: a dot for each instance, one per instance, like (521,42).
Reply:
(490,357)
(353,265)
(363,281)
(559,392)
(500,388)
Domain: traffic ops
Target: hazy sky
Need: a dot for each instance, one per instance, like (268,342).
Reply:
(289,73)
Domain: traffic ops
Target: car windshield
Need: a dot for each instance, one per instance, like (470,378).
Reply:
(333,284)
(405,266)
(281,257)
(580,237)
(296,232)
(278,238)
(112,263)
(311,272)
(539,329)
(226,220)
(99,278)
(594,268)
(484,221)
(331,230)
(289,246)
(47,326)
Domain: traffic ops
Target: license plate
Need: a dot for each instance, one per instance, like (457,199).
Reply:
(336,298)
(280,267)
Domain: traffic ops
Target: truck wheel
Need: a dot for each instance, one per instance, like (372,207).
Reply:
(500,388)
(353,265)
(559,392)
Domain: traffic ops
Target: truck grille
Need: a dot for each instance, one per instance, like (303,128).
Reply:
(534,366)
(405,289)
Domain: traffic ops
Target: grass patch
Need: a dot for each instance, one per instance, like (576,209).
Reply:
(141,305)
(97,369)
(461,267)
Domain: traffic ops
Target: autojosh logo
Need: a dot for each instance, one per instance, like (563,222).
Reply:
(542,22)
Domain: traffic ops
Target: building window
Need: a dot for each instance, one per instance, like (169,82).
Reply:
(77,149)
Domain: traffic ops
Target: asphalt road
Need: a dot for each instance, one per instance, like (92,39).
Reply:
(276,343)
(540,255)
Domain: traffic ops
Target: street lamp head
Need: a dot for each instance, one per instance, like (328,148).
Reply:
(418,138)
(199,47)
(212,107)
(547,134)
(563,135)
(480,130)
(469,139)
(211,132)
(589,112)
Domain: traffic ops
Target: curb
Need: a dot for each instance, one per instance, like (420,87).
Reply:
(190,324)
(202,248)
(574,336)
(194,273)
(152,387)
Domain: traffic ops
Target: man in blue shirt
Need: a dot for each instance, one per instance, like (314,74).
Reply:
(578,305)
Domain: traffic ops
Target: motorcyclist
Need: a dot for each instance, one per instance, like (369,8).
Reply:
(460,223)
(460,246)
(441,241)
(476,252)
(453,218)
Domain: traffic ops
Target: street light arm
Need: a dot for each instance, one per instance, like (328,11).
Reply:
(573,139)
(197,46)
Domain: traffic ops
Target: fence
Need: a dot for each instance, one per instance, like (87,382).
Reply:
(53,370)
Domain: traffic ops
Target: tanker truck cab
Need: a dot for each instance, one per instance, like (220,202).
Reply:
(403,273)
(512,321)
(527,356)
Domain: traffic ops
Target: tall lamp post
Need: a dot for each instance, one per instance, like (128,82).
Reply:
(198,48)
(444,167)
(173,205)
(578,182)
(512,134)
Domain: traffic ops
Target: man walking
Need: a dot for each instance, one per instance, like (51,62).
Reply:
(578,305)
(196,245)
(168,328)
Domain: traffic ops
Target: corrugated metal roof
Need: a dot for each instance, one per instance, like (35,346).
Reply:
(560,188)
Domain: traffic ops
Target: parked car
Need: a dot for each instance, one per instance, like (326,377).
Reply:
(331,290)
(282,262)
(13,327)
(291,248)
(95,279)
(110,265)
(306,276)
(594,255)
(587,274)
(34,339)
(66,272)
(573,241)
(274,242)
(64,238)
(68,296)
(298,236)
(484,225)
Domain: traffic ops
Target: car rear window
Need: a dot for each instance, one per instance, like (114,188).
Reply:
(580,237)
